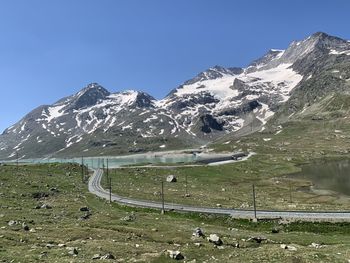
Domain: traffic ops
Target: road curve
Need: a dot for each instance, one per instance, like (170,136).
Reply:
(96,188)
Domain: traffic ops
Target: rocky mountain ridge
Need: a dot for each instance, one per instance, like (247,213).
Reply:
(216,102)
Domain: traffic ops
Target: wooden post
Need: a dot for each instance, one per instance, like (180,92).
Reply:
(186,191)
(254,204)
(162,193)
(290,192)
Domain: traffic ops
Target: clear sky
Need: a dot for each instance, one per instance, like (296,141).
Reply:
(52,48)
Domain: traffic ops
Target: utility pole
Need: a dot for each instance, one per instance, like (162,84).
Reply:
(110,190)
(186,192)
(290,192)
(162,193)
(107,169)
(82,169)
(254,204)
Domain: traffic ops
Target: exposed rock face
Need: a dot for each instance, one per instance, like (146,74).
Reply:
(209,123)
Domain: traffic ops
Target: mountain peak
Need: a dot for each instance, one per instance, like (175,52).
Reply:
(319,34)
(89,96)
(93,87)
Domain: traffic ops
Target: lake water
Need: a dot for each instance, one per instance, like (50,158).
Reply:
(116,161)
(328,175)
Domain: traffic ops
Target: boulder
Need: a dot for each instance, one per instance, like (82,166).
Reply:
(275,230)
(12,223)
(86,216)
(257,239)
(96,256)
(84,209)
(175,255)
(288,247)
(315,245)
(171,179)
(72,251)
(46,206)
(214,238)
(107,256)
(25,227)
(129,218)
(49,246)
(198,232)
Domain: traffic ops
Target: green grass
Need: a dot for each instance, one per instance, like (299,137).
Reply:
(227,185)
(135,240)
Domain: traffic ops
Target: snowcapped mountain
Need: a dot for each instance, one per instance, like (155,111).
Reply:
(216,102)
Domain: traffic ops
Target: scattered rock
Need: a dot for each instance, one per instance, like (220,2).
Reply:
(86,216)
(257,239)
(43,254)
(214,238)
(46,206)
(54,189)
(275,230)
(198,232)
(198,244)
(39,195)
(61,245)
(12,223)
(289,247)
(49,246)
(171,179)
(175,255)
(84,209)
(129,218)
(218,205)
(107,256)
(236,245)
(154,229)
(96,256)
(25,227)
(72,251)
(315,245)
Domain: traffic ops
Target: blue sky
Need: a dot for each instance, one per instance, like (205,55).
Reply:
(51,49)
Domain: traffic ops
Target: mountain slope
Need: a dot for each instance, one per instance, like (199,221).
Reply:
(215,103)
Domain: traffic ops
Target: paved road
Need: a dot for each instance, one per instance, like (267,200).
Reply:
(96,188)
